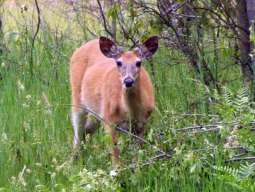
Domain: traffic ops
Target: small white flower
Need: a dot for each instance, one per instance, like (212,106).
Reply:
(38,102)
(20,85)
(54,161)
(28,171)
(53,175)
(25,105)
(189,156)
(220,127)
(113,173)
(4,136)
(28,97)
(88,186)
(13,179)
(60,167)
(38,164)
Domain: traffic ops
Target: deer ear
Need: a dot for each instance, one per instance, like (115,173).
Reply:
(148,48)
(109,48)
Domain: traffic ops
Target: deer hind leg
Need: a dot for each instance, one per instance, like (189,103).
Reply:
(78,119)
(90,125)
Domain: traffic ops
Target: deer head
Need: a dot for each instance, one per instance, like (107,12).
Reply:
(128,63)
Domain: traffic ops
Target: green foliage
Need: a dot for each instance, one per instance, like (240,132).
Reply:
(93,181)
(114,10)
(235,107)
(240,178)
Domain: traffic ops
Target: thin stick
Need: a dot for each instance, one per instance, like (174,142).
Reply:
(185,129)
(241,159)
(34,37)
(104,19)
(149,162)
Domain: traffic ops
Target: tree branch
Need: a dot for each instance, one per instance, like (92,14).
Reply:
(34,37)
(106,26)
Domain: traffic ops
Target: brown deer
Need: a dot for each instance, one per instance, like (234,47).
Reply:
(114,85)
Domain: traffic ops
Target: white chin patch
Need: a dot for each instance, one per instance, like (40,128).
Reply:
(127,88)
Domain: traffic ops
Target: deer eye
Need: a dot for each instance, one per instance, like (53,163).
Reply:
(119,63)
(138,64)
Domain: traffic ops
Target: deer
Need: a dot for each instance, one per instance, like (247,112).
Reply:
(112,84)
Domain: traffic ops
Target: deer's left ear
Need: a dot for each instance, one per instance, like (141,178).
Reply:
(109,48)
(148,48)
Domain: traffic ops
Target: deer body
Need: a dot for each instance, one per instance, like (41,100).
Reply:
(102,92)
(118,93)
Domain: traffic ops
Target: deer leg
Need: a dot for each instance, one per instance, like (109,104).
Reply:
(138,130)
(76,122)
(90,125)
(78,118)
(76,114)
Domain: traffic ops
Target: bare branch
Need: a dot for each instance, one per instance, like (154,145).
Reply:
(149,162)
(35,35)
(240,159)
(106,26)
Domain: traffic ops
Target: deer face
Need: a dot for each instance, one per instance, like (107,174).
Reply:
(128,63)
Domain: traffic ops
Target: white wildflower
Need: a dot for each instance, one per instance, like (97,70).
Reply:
(28,170)
(113,173)
(39,187)
(4,136)
(21,178)
(88,187)
(189,156)
(53,175)
(54,161)
(38,164)
(20,86)
(60,167)
(177,150)
(38,102)
(28,97)
(25,105)
(13,179)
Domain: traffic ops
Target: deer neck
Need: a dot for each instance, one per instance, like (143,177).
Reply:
(131,98)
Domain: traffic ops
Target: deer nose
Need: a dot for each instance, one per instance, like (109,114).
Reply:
(128,82)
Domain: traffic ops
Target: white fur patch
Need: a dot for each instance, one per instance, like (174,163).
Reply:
(76,117)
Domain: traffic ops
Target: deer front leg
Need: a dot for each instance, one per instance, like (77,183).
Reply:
(114,141)
(138,130)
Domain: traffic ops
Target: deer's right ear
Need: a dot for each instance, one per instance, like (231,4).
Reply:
(109,48)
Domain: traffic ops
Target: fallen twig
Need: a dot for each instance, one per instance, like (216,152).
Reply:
(201,127)
(149,162)
(241,159)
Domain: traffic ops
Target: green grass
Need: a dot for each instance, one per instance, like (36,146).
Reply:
(36,133)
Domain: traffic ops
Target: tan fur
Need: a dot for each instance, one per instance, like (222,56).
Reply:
(96,84)
(81,59)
